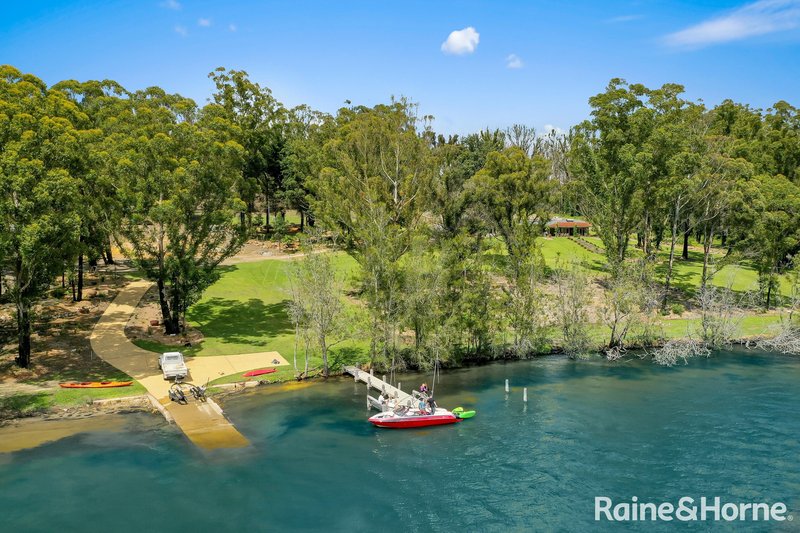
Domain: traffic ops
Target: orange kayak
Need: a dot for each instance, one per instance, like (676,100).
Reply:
(95,384)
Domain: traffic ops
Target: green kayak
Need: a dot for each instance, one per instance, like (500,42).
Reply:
(461,413)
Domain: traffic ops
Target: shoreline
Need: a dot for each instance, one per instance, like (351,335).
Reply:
(27,432)
(221,391)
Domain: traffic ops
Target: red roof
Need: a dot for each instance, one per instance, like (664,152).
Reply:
(569,224)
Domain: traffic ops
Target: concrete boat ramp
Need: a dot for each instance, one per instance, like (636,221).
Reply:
(203,422)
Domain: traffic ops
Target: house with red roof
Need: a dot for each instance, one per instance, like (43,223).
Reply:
(567,227)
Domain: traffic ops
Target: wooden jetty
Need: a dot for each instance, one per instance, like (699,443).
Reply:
(397,396)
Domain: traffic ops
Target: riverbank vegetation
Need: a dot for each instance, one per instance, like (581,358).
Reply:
(442,246)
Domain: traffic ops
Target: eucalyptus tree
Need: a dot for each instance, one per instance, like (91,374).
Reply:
(372,192)
(318,303)
(178,169)
(260,119)
(782,140)
(99,208)
(513,191)
(677,145)
(302,159)
(775,233)
(40,147)
(523,137)
(608,162)
(725,202)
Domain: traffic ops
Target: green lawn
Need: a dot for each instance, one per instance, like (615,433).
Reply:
(83,396)
(562,249)
(246,311)
(28,404)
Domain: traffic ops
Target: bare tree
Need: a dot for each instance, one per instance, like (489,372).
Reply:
(523,137)
(317,305)
(572,310)
(680,349)
(721,314)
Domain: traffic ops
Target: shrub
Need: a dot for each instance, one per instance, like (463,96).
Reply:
(58,292)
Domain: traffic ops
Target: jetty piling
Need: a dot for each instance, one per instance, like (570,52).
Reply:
(378,384)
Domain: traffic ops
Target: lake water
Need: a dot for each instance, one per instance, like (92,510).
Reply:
(728,426)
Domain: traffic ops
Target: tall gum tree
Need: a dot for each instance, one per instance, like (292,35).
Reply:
(607,163)
(261,120)
(179,170)
(99,207)
(39,224)
(371,192)
(513,192)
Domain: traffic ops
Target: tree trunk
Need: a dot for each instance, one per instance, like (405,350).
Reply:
(79,292)
(296,333)
(659,236)
(686,233)
(165,313)
(24,334)
(672,241)
(305,372)
(302,221)
(709,238)
(612,343)
(176,309)
(769,290)
(324,349)
(108,257)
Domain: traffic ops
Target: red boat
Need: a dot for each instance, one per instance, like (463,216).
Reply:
(413,418)
(259,372)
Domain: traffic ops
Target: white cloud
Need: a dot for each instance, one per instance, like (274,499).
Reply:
(181,30)
(548,128)
(461,42)
(205,23)
(757,18)
(232,27)
(171,4)
(514,61)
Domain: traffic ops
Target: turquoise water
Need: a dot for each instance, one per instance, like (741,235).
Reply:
(728,426)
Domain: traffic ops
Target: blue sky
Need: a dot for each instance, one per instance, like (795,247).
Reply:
(323,52)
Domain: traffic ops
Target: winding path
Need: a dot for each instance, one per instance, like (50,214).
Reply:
(204,423)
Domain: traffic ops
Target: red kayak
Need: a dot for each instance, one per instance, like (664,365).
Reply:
(259,372)
(413,418)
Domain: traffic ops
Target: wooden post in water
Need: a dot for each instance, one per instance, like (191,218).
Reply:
(525,395)
(507,389)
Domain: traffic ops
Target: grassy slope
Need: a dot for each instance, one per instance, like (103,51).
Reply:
(246,310)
